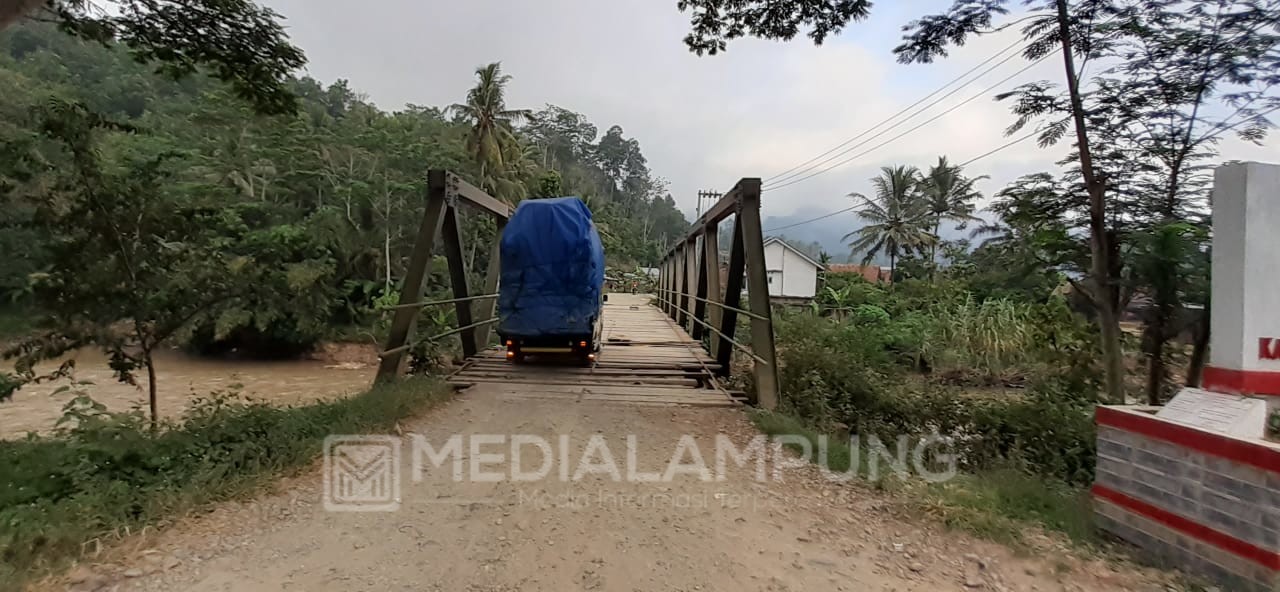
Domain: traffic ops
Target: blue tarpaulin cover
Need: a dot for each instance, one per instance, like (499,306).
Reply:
(552,270)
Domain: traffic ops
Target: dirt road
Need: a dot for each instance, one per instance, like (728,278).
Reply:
(802,533)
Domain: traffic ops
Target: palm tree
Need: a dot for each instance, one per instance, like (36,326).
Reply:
(949,195)
(897,217)
(492,133)
(509,182)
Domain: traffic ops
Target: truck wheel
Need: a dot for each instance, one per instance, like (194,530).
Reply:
(518,358)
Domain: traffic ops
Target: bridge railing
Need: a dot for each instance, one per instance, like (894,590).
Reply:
(690,290)
(446,192)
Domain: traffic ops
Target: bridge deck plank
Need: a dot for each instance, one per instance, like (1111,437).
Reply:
(645,359)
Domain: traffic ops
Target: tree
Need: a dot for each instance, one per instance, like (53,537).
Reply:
(235,40)
(564,137)
(328,198)
(125,257)
(1051,27)
(716,22)
(492,137)
(1032,244)
(1183,76)
(1140,126)
(636,216)
(1166,259)
(897,217)
(824,263)
(548,185)
(950,196)
(620,158)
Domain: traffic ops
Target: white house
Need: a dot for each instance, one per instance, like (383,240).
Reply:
(792,274)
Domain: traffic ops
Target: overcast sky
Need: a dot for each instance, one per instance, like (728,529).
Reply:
(703,122)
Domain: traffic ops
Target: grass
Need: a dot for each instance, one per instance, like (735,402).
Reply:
(59,495)
(997,504)
(839,454)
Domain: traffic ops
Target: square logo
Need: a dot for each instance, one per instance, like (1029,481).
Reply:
(361,473)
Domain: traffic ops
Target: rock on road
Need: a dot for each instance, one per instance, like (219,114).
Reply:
(801,533)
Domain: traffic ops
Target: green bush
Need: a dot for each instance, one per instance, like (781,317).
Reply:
(1039,433)
(943,330)
(844,375)
(110,471)
(828,371)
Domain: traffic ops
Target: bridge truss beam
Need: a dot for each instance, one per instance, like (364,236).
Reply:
(692,295)
(446,192)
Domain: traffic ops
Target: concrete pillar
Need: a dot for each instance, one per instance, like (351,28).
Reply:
(1194,482)
(1245,333)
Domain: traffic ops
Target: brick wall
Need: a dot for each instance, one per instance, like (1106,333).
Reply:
(1198,499)
(1175,550)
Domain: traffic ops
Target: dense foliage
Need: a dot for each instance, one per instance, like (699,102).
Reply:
(175,209)
(715,22)
(237,41)
(1013,381)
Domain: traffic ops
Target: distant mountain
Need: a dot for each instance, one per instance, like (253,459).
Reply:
(828,233)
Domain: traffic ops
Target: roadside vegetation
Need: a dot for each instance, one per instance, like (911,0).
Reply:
(1012,383)
(993,503)
(104,474)
(988,341)
(1006,340)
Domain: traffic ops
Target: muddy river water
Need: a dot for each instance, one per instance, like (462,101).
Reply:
(180,377)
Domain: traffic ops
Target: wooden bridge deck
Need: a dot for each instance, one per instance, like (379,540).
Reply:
(646,359)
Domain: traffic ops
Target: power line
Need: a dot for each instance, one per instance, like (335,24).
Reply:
(811,167)
(920,125)
(998,149)
(1016,43)
(1038,131)
(989,153)
(822,217)
(780,182)
(963,164)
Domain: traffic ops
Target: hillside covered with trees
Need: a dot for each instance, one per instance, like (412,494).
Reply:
(315,211)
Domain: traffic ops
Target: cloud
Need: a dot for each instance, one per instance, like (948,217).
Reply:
(757,110)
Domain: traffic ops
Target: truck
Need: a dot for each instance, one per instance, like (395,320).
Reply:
(551,289)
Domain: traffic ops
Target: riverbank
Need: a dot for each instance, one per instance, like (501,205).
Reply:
(59,497)
(338,369)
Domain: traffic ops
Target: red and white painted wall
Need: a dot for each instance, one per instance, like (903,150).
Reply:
(1245,338)
(1206,500)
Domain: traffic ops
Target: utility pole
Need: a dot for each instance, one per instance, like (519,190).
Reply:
(711,196)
